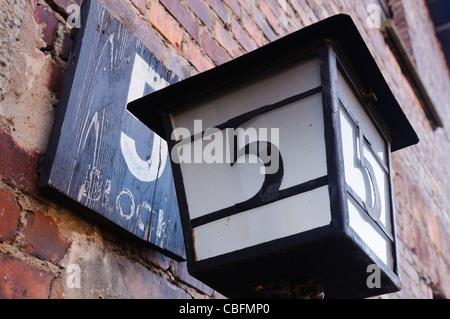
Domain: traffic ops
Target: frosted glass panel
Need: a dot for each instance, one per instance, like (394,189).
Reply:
(383,181)
(366,166)
(210,187)
(302,142)
(352,104)
(211,183)
(366,229)
(357,177)
(267,88)
(280,219)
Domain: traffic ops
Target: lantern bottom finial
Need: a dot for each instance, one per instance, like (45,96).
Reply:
(308,287)
(302,286)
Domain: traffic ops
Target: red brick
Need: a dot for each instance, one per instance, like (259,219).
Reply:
(219,8)
(214,51)
(243,38)
(168,27)
(55,77)
(422,247)
(43,17)
(253,30)
(17,165)
(304,17)
(9,215)
(226,40)
(401,24)
(141,5)
(182,15)
(178,65)
(269,15)
(43,238)
(141,28)
(445,238)
(66,47)
(202,11)
(21,281)
(234,6)
(264,26)
(141,283)
(198,58)
(246,5)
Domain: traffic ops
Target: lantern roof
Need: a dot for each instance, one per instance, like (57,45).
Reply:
(339,30)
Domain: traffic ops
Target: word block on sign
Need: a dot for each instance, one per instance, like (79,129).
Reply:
(100,157)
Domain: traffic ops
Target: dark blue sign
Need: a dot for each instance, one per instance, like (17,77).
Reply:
(100,157)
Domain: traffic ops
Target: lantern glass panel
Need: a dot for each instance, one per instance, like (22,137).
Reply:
(366,165)
(359,113)
(260,225)
(251,233)
(288,121)
(272,86)
(297,130)
(372,236)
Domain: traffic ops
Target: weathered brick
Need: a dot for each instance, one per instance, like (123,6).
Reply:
(202,11)
(22,281)
(421,246)
(246,5)
(178,64)
(44,239)
(168,27)
(401,24)
(234,6)
(182,15)
(155,258)
(264,26)
(141,283)
(214,51)
(242,37)
(225,38)
(269,15)
(17,165)
(183,275)
(198,58)
(253,30)
(304,17)
(11,19)
(43,17)
(66,47)
(141,5)
(9,215)
(219,8)
(55,77)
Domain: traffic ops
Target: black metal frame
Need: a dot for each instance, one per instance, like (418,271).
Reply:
(338,189)
(385,134)
(335,41)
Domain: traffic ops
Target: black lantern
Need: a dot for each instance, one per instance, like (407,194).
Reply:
(281,160)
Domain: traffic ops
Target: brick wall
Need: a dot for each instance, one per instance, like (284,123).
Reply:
(40,240)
